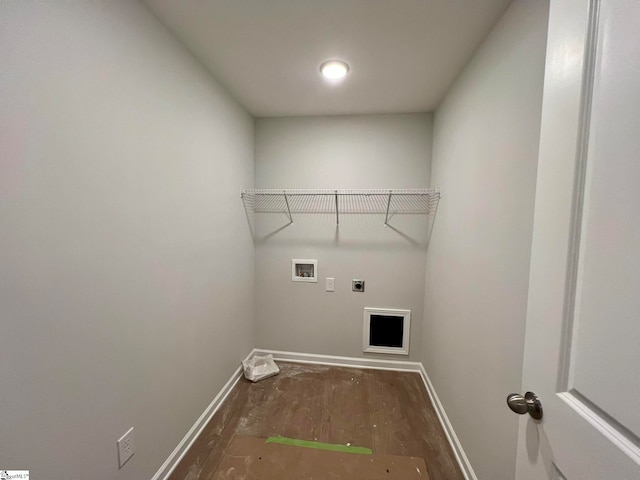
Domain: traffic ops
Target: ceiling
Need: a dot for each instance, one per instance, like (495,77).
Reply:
(403,54)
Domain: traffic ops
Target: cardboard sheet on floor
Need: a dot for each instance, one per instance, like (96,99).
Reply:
(250,458)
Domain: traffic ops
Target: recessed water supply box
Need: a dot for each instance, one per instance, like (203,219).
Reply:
(304,270)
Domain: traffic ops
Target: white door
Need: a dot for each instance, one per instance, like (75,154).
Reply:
(582,350)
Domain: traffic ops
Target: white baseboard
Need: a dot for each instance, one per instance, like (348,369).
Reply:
(353,362)
(185,444)
(456,446)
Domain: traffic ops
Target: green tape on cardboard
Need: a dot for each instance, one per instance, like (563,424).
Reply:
(319,445)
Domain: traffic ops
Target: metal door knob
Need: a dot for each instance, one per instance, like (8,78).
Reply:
(530,404)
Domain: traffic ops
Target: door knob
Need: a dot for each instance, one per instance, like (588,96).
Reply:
(530,404)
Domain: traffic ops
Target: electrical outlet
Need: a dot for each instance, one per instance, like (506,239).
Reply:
(357,285)
(126,447)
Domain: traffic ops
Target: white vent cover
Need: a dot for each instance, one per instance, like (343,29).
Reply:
(386,330)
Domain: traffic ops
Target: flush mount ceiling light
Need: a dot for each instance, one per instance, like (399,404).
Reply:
(334,69)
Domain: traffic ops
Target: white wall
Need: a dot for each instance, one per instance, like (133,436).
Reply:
(376,151)
(126,284)
(485,147)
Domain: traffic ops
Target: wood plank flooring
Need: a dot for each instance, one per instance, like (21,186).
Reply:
(389,412)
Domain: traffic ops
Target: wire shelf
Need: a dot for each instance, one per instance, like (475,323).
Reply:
(378,201)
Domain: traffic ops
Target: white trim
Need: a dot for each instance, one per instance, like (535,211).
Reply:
(349,362)
(185,444)
(378,364)
(388,312)
(458,451)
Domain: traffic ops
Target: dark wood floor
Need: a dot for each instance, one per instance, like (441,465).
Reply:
(389,412)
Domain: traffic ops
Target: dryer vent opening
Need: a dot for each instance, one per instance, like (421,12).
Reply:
(386,331)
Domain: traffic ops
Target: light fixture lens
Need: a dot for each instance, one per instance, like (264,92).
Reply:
(334,69)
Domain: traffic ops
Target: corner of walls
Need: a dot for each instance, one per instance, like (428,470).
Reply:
(485,147)
(188,51)
(251,230)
